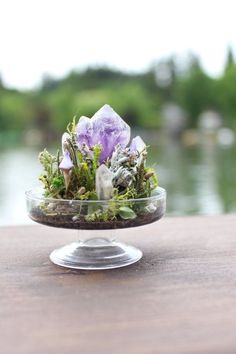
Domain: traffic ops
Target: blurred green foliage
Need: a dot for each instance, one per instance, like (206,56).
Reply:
(138,98)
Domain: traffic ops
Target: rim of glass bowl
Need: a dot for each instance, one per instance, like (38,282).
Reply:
(36,194)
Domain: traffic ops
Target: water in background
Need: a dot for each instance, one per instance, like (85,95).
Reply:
(199,180)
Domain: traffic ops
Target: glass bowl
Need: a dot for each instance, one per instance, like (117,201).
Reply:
(95,252)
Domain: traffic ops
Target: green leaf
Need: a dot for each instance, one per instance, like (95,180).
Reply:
(58,182)
(126,213)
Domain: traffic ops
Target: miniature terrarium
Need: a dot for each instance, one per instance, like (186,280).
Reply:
(99,180)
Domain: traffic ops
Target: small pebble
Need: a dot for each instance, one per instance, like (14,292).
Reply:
(76,217)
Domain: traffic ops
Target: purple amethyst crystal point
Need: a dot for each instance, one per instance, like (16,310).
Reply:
(106,128)
(66,163)
(109,130)
(84,132)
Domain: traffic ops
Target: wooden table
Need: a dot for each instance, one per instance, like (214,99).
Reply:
(180,298)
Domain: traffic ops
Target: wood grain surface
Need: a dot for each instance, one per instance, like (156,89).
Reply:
(180,298)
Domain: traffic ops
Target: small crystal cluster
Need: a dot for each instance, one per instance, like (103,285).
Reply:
(97,162)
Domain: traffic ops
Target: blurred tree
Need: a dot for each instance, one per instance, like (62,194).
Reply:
(229,59)
(14,112)
(195,91)
(49,83)
(1,82)
(165,77)
(226,86)
(139,98)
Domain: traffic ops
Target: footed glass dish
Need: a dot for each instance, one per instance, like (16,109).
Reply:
(97,251)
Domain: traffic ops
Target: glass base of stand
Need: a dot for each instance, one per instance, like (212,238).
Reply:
(95,254)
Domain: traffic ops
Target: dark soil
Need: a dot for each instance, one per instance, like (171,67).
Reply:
(65,221)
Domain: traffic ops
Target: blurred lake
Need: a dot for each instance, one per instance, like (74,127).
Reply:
(198,180)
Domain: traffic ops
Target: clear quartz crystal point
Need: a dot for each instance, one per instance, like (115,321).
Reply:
(104,186)
(137,144)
